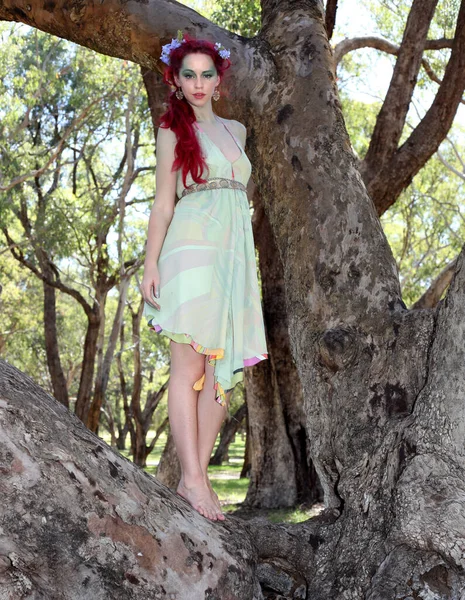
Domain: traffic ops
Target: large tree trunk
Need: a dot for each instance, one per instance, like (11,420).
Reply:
(294,470)
(80,521)
(383,386)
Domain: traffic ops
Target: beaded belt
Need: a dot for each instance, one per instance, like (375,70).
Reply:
(215,183)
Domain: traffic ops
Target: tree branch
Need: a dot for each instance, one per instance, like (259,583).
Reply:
(58,284)
(128,30)
(349,45)
(330,17)
(385,183)
(391,118)
(433,294)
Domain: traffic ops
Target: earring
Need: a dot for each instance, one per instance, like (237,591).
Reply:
(179,94)
(216,94)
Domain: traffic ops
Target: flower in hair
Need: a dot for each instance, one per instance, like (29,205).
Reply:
(222,50)
(167,48)
(177,41)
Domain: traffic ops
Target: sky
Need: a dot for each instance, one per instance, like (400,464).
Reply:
(353,19)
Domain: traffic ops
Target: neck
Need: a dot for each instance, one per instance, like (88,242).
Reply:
(204,114)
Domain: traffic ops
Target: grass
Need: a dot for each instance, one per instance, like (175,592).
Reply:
(230,487)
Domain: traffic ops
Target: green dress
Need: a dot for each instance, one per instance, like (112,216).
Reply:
(209,293)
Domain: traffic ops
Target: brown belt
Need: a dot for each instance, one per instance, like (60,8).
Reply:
(215,183)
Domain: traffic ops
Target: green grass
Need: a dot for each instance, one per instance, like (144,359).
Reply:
(227,483)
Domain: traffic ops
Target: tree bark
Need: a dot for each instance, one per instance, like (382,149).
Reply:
(383,386)
(281,471)
(80,521)
(57,377)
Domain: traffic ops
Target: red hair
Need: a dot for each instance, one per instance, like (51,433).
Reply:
(179,116)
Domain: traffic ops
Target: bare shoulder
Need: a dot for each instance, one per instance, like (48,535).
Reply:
(238,129)
(241,130)
(166,137)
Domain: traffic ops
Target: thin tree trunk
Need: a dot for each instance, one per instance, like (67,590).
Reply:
(228,431)
(103,374)
(84,394)
(169,467)
(57,377)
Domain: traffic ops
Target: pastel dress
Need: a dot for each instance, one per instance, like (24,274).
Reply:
(209,294)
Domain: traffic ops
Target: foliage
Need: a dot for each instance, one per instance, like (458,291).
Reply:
(241,17)
(425,227)
(70,112)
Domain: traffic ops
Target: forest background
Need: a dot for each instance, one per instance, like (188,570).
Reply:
(77,162)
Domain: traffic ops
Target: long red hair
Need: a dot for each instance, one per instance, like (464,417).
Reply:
(179,116)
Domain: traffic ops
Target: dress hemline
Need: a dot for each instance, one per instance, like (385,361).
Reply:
(213,354)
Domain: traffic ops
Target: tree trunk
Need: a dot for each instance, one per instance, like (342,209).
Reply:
(227,434)
(383,386)
(80,521)
(246,465)
(103,375)
(297,466)
(169,467)
(88,362)
(57,377)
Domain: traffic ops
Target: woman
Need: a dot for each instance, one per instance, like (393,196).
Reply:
(200,282)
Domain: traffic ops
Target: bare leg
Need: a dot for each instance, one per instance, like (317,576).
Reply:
(187,366)
(210,416)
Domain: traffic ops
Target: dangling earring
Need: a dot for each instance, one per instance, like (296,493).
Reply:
(179,94)
(216,94)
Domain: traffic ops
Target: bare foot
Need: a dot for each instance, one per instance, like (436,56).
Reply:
(216,500)
(198,494)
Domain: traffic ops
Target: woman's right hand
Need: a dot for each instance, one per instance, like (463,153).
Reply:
(150,286)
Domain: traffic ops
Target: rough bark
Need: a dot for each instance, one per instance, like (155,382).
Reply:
(383,386)
(80,521)
(281,471)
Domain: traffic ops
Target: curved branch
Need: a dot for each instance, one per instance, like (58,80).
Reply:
(130,30)
(433,294)
(351,44)
(388,47)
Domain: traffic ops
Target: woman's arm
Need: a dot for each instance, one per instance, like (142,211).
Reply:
(161,213)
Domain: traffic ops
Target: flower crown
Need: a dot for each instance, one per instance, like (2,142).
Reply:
(176,42)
